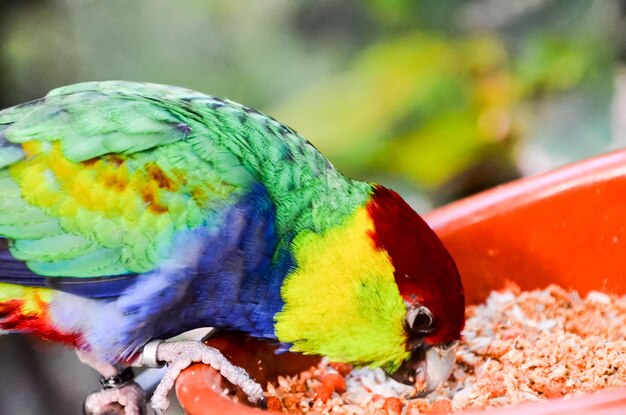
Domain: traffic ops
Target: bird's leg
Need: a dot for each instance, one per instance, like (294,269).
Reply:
(118,390)
(179,355)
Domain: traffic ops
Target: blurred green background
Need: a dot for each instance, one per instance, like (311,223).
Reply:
(438,99)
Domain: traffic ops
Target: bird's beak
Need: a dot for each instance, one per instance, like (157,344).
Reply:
(427,368)
(439,365)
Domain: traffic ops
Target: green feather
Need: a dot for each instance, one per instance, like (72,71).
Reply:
(26,216)
(9,155)
(102,262)
(32,230)
(63,246)
(212,150)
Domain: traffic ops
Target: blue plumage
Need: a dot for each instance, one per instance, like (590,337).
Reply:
(229,277)
(16,272)
(94,287)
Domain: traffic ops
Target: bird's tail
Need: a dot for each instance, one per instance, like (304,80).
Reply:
(22,308)
(25,310)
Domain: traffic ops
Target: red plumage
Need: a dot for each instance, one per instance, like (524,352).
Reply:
(424,270)
(13,318)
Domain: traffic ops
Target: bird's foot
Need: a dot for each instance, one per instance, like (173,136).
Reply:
(179,355)
(120,395)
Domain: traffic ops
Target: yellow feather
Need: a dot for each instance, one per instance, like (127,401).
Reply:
(342,301)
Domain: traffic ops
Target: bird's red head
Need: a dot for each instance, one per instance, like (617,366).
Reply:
(424,271)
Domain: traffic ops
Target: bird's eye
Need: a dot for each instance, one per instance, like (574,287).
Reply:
(419,319)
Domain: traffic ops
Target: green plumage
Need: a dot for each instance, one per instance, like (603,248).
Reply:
(209,150)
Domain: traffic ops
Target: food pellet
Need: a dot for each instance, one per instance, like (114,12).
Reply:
(517,346)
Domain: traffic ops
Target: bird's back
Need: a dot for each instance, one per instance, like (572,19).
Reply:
(98,179)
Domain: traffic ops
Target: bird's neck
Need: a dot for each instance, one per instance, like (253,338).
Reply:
(318,204)
(316,209)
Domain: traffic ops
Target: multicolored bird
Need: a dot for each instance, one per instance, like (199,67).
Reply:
(132,212)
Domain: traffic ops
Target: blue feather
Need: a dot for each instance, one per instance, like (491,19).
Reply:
(14,271)
(93,287)
(229,277)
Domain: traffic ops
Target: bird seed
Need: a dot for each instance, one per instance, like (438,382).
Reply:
(516,347)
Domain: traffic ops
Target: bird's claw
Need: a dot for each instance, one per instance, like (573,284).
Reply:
(179,355)
(128,399)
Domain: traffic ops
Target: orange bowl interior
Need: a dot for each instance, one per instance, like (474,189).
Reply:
(566,227)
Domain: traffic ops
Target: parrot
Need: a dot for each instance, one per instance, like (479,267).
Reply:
(132,212)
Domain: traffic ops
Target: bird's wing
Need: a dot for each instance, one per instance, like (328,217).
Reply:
(97,179)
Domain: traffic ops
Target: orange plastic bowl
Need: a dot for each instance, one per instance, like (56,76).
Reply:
(566,227)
